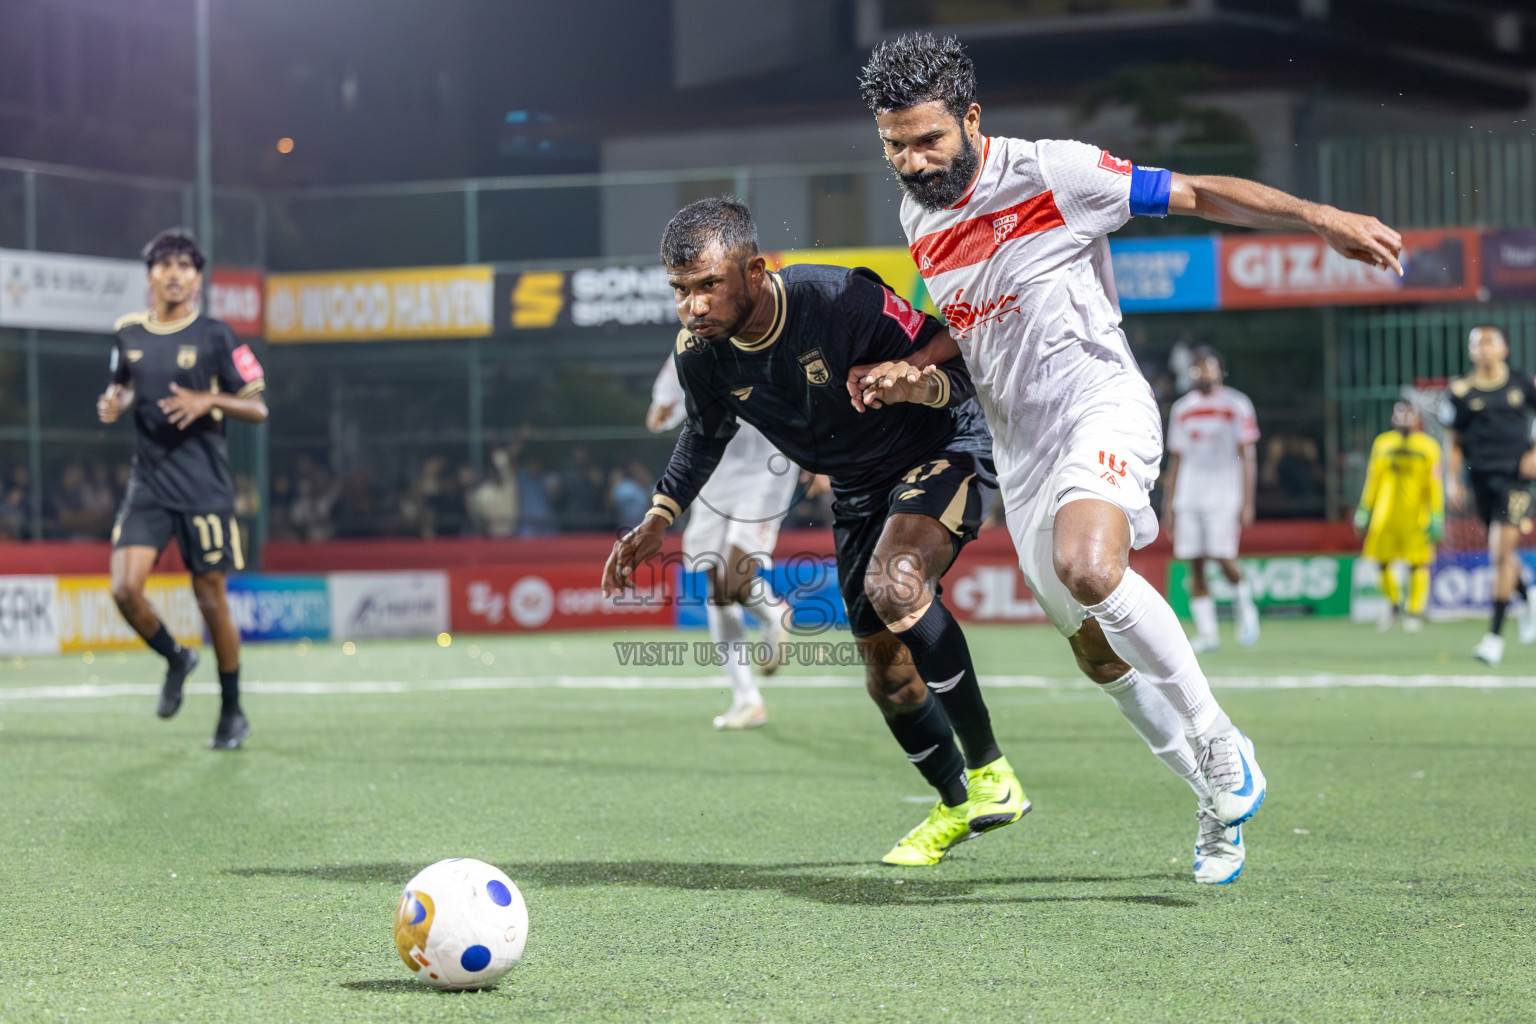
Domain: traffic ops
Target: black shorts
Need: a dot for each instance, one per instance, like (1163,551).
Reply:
(956,488)
(1502,497)
(209,541)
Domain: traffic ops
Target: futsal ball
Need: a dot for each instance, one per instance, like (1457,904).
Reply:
(460,924)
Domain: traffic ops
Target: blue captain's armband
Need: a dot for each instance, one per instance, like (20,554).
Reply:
(1149,191)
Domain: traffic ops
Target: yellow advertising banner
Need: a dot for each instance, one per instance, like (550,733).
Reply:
(89,619)
(893,264)
(380,305)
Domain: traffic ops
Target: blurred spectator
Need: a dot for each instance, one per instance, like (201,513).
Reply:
(15,503)
(581,493)
(536,508)
(80,509)
(433,497)
(355,514)
(629,493)
(279,526)
(247,497)
(1292,471)
(494,503)
(314,497)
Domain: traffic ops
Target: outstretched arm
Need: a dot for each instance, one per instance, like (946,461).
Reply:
(1251,205)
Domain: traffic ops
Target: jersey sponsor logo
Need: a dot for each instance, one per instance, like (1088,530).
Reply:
(1114,164)
(963,316)
(246,364)
(977,239)
(134,355)
(815,367)
(742,393)
(910,320)
(186,356)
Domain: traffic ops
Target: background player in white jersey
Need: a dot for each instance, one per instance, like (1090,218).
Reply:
(1009,235)
(731,533)
(1208,492)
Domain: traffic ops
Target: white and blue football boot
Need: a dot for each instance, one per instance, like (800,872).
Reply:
(1232,772)
(1219,850)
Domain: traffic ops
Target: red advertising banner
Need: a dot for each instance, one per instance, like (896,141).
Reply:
(513,599)
(1509,262)
(235,296)
(990,590)
(1264,271)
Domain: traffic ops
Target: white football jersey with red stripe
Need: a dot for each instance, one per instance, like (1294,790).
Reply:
(1020,269)
(1207,433)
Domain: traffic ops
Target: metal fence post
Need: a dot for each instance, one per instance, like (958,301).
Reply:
(1332,490)
(476,404)
(471,222)
(34,377)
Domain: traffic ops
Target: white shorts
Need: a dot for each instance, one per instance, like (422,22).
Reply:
(741,507)
(1113,454)
(1206,533)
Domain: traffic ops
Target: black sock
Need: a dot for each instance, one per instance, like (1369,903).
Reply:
(924,734)
(1496,627)
(1520,589)
(165,645)
(229,692)
(943,660)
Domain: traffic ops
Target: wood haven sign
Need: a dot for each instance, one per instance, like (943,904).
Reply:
(381,305)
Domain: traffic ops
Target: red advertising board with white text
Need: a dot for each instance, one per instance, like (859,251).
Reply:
(235,296)
(1262,271)
(510,599)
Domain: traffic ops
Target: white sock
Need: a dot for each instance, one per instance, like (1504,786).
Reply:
(1144,632)
(768,608)
(1245,605)
(727,626)
(1203,610)
(1155,721)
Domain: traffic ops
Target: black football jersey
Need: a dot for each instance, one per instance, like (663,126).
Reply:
(791,385)
(182,470)
(1493,425)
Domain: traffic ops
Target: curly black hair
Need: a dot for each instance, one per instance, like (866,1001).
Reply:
(697,226)
(171,242)
(918,68)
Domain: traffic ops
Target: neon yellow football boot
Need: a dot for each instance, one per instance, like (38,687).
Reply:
(996,798)
(930,841)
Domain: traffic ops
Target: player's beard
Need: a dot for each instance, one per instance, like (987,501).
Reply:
(939,190)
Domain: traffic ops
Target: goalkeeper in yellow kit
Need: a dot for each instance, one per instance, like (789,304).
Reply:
(1402,512)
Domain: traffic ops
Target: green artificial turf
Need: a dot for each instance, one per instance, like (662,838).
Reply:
(675,873)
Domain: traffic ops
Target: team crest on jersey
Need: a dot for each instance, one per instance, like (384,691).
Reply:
(1003,226)
(815,367)
(135,354)
(186,356)
(1516,396)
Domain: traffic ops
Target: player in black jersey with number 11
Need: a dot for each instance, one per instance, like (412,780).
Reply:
(1487,418)
(180,373)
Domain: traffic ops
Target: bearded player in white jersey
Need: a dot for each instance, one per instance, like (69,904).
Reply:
(732,529)
(1009,236)
(1208,492)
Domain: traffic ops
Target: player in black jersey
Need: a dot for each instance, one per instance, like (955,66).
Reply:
(910,482)
(181,373)
(1487,418)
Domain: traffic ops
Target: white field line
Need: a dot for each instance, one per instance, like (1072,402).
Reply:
(91,691)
